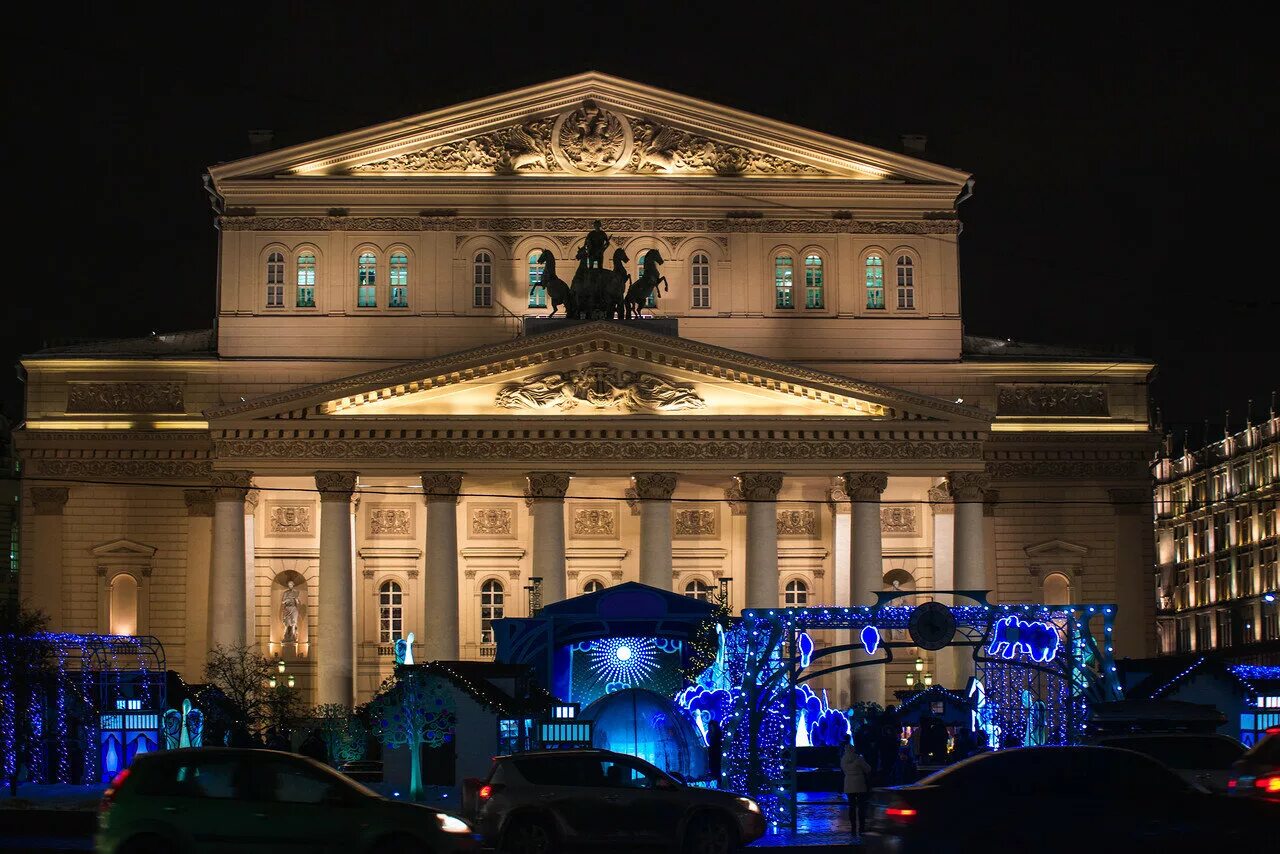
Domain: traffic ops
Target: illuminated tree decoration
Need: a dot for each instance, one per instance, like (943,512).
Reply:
(411,709)
(1011,636)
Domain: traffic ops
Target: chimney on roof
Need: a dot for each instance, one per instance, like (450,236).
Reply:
(261,140)
(914,144)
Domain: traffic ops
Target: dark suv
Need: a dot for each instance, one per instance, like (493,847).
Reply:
(545,801)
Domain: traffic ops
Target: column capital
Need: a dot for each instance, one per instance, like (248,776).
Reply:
(336,485)
(441,485)
(1131,501)
(990,498)
(548,485)
(865,485)
(251,501)
(49,500)
(967,486)
(760,485)
(654,485)
(230,484)
(940,500)
(199,501)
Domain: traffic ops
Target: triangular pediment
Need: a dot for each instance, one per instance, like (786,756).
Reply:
(587,125)
(124,549)
(600,369)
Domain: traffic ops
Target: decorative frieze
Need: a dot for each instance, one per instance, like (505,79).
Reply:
(696,522)
(287,520)
(899,520)
(132,469)
(124,397)
(1052,399)
(600,387)
(597,520)
(797,523)
(492,520)
(391,520)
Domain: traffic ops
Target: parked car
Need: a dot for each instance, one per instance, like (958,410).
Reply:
(544,801)
(1017,799)
(228,800)
(363,770)
(1257,774)
(1204,759)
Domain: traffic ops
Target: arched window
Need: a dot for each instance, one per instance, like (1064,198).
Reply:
(390,612)
(399,280)
(796,594)
(367,281)
(875,281)
(906,282)
(482,280)
(537,293)
(275,280)
(123,614)
(593,586)
(700,280)
(813,290)
(783,270)
(1057,589)
(698,589)
(492,597)
(652,300)
(306,280)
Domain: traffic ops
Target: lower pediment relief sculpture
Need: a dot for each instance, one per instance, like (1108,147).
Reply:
(599,387)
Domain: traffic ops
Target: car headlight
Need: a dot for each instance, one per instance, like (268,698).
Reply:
(450,824)
(749,805)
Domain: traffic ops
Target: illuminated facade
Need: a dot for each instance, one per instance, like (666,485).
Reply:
(377,419)
(1217,544)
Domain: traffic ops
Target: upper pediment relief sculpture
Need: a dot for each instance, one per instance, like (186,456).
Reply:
(600,387)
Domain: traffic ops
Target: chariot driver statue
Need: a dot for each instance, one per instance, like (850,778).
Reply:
(597,242)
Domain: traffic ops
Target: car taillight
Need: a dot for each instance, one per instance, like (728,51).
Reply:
(109,795)
(486,791)
(900,813)
(1231,784)
(1269,784)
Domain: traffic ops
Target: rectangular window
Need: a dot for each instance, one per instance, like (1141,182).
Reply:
(1199,537)
(1244,574)
(1270,621)
(1220,525)
(306,281)
(1224,628)
(1184,634)
(1204,631)
(875,282)
(1223,588)
(1181,544)
(782,282)
(399,278)
(1243,526)
(482,296)
(1202,584)
(906,283)
(813,282)
(1184,589)
(1270,569)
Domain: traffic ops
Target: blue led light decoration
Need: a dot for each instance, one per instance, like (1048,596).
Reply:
(1012,636)
(623,662)
(870,637)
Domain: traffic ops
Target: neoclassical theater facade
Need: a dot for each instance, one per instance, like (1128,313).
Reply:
(381,436)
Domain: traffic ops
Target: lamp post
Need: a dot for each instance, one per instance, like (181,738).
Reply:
(919,664)
(911,680)
(927,679)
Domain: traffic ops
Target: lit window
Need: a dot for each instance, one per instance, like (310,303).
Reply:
(537,293)
(875,281)
(698,589)
(813,297)
(124,605)
(796,595)
(492,596)
(906,282)
(306,280)
(651,301)
(700,280)
(782,282)
(482,280)
(593,586)
(275,280)
(367,281)
(390,612)
(399,280)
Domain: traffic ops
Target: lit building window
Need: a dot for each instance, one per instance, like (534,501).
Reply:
(698,589)
(399,280)
(537,293)
(700,280)
(1224,628)
(275,280)
(1204,631)
(482,280)
(875,281)
(492,597)
(593,586)
(813,290)
(783,273)
(906,282)
(796,594)
(123,605)
(306,280)
(367,281)
(390,612)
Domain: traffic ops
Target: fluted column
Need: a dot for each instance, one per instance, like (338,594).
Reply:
(944,575)
(654,489)
(867,567)
(1135,594)
(227,590)
(760,490)
(546,491)
(199,550)
(46,562)
(970,553)
(335,638)
(440,622)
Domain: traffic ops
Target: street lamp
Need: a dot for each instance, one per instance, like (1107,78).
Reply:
(280,665)
(272,682)
(919,664)
(927,679)
(911,679)
(289,681)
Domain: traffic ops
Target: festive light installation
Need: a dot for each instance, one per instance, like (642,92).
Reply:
(1011,637)
(870,637)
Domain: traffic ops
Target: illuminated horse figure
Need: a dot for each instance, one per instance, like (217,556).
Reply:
(557,291)
(615,289)
(647,284)
(1011,636)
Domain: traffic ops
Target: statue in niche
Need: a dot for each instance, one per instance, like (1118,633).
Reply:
(289,614)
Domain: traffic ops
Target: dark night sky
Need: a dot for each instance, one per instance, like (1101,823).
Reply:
(1123,171)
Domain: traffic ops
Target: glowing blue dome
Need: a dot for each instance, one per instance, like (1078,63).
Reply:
(644,724)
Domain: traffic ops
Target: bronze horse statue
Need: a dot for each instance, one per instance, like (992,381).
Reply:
(599,293)
(558,292)
(647,284)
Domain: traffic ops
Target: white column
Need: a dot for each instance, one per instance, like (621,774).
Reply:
(250,574)
(46,562)
(227,594)
(867,562)
(841,546)
(335,640)
(970,558)
(760,491)
(440,634)
(547,490)
(1134,575)
(944,576)
(199,550)
(654,490)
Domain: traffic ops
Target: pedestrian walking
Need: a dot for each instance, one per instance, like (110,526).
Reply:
(857,772)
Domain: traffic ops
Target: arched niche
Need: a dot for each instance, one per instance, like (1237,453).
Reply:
(294,648)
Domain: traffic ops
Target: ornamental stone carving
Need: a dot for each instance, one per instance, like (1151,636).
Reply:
(940,498)
(289,519)
(336,485)
(125,397)
(492,521)
(760,485)
(49,500)
(899,519)
(595,522)
(659,148)
(696,522)
(159,469)
(199,502)
(591,139)
(655,485)
(441,485)
(251,501)
(797,523)
(967,486)
(1061,399)
(231,485)
(600,387)
(548,485)
(391,521)
(523,148)
(865,485)
(733,497)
